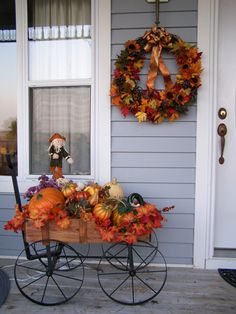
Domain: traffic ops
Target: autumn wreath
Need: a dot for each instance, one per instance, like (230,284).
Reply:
(152,104)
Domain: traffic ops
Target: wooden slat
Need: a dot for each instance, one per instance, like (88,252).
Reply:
(122,35)
(150,190)
(175,235)
(159,160)
(120,6)
(182,206)
(147,20)
(7,200)
(176,249)
(7,214)
(153,145)
(154,175)
(184,221)
(151,129)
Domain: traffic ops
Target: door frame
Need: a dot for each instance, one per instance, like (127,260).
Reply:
(206,141)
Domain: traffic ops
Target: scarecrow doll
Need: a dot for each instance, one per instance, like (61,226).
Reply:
(57,152)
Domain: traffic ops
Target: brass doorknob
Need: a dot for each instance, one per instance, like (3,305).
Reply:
(222,130)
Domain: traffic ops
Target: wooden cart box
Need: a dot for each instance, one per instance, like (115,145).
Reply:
(79,231)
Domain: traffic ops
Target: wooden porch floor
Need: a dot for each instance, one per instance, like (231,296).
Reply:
(186,290)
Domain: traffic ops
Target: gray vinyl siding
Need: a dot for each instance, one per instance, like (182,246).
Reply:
(10,243)
(158,161)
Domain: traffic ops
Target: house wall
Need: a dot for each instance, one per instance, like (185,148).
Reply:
(157,161)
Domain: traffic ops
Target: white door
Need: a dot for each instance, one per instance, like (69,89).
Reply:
(225,202)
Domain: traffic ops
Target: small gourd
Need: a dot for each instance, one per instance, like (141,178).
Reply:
(68,189)
(115,189)
(102,211)
(117,217)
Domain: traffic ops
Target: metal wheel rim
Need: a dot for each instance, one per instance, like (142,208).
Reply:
(125,287)
(42,285)
(114,258)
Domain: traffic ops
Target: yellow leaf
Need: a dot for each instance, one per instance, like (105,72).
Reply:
(141,116)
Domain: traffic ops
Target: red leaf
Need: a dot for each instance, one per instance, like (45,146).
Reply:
(125,111)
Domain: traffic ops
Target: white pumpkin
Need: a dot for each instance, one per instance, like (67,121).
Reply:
(115,189)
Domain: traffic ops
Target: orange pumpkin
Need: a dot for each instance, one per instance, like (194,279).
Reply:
(68,189)
(102,211)
(117,217)
(79,195)
(47,198)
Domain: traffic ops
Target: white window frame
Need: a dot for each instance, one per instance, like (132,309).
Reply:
(101,108)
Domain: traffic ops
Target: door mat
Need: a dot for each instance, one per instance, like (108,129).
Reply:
(228,275)
(4,286)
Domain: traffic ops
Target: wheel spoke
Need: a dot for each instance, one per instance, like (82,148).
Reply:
(120,285)
(117,260)
(148,286)
(132,288)
(59,288)
(44,290)
(145,259)
(66,258)
(116,257)
(30,268)
(68,277)
(67,262)
(23,287)
(116,273)
(147,271)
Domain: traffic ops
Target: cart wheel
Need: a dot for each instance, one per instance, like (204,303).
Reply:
(117,253)
(83,250)
(135,280)
(52,276)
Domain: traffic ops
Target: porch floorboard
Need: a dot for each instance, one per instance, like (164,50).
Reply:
(186,290)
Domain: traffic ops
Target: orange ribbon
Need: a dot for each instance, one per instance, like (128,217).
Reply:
(157,38)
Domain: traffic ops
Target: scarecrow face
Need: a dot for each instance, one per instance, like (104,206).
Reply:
(58,142)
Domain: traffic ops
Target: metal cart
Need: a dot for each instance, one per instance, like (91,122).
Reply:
(50,272)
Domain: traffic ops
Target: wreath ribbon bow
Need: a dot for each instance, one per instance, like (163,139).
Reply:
(157,39)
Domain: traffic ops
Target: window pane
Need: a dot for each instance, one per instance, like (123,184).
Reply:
(63,110)
(7,90)
(59,39)
(7,21)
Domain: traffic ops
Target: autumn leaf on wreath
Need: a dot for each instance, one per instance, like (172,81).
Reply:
(125,111)
(141,116)
(116,100)
(128,99)
(139,64)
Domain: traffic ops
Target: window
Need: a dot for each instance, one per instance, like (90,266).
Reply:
(7,83)
(63,110)
(60,50)
(63,75)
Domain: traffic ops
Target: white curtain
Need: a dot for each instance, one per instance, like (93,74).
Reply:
(56,19)
(59,39)
(64,110)
(60,59)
